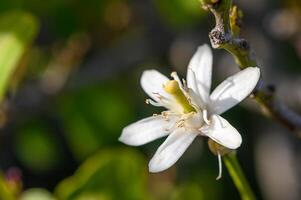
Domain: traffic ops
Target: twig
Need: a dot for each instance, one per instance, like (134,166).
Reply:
(225,35)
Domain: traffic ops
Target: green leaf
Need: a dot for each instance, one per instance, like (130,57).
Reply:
(180,13)
(36,194)
(110,174)
(36,146)
(94,116)
(17,30)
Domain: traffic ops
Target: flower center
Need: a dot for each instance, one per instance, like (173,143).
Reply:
(172,87)
(193,120)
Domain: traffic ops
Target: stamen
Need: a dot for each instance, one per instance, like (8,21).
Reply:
(171,128)
(185,84)
(220,166)
(175,76)
(180,124)
(205,117)
(159,96)
(150,101)
(163,100)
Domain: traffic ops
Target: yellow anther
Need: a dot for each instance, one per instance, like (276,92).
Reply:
(172,87)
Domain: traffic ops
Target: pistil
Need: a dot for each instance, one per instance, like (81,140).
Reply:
(172,87)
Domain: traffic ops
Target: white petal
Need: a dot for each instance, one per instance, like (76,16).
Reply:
(221,131)
(233,90)
(199,72)
(171,150)
(147,130)
(152,83)
(195,100)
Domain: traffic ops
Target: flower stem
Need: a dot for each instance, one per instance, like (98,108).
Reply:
(238,176)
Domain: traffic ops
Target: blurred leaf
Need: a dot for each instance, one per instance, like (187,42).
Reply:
(110,174)
(5,191)
(93,196)
(36,147)
(180,12)
(78,132)
(188,191)
(65,19)
(94,116)
(36,194)
(17,30)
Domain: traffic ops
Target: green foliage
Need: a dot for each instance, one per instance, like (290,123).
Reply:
(93,117)
(36,147)
(179,13)
(36,194)
(17,30)
(110,174)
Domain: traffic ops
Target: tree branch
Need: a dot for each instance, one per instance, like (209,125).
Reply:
(225,35)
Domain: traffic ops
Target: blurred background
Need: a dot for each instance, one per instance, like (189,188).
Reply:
(69,83)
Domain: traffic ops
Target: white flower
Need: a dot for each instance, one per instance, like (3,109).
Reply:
(191,110)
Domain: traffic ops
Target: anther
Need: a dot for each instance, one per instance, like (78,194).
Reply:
(149,101)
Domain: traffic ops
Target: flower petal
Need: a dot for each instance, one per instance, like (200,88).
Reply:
(233,90)
(195,100)
(152,83)
(221,131)
(147,130)
(199,72)
(171,150)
